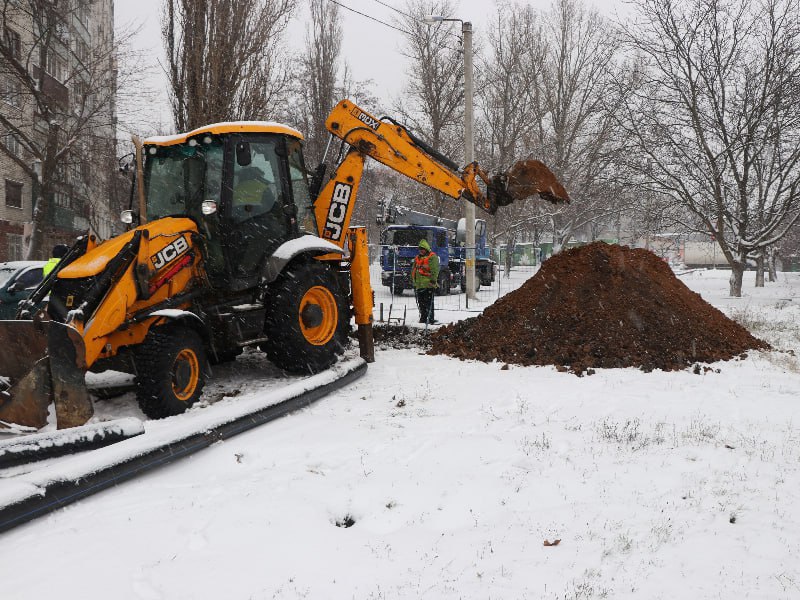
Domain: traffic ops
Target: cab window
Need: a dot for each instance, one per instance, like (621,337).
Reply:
(255,185)
(300,191)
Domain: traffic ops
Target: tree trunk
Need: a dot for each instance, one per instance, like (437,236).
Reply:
(509,259)
(737,272)
(760,270)
(772,259)
(36,250)
(561,237)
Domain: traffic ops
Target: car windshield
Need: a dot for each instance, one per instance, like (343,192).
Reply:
(178,178)
(5,274)
(407,237)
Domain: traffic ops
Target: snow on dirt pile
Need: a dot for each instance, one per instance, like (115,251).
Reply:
(599,305)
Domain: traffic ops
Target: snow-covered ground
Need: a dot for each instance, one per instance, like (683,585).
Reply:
(452,475)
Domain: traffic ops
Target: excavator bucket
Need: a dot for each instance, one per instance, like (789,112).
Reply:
(42,362)
(524,179)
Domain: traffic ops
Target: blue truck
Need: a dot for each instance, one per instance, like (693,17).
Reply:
(404,228)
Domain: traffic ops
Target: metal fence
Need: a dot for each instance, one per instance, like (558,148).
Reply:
(402,308)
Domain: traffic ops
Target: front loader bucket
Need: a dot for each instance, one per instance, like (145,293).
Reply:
(42,362)
(524,179)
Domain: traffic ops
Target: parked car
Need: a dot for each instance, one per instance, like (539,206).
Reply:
(17,281)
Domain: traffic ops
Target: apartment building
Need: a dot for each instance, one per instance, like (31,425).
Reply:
(57,122)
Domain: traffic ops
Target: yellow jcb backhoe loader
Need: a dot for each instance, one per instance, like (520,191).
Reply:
(232,247)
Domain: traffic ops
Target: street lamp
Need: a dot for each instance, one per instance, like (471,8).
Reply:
(469,146)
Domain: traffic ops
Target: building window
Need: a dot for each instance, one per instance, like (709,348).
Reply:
(11,143)
(75,174)
(55,66)
(13,194)
(62,199)
(13,42)
(15,246)
(81,51)
(83,14)
(10,90)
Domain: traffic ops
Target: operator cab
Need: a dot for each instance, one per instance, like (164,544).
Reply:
(245,186)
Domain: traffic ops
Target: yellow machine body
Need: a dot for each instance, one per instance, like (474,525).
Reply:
(107,300)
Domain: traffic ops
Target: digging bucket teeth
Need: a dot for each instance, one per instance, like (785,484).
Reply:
(42,362)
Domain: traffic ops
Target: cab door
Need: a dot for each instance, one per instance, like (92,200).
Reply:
(256,222)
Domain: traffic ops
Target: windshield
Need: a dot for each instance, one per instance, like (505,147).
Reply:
(5,274)
(407,237)
(178,179)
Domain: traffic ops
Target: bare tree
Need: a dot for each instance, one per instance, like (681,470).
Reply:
(432,104)
(715,115)
(509,83)
(317,89)
(225,58)
(62,94)
(576,134)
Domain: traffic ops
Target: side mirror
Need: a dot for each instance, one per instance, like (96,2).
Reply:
(14,288)
(126,216)
(243,155)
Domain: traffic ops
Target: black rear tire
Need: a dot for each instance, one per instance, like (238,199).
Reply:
(308,319)
(397,289)
(171,371)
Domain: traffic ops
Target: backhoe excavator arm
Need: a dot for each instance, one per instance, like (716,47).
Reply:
(393,145)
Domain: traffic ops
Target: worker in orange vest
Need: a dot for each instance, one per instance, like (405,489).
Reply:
(424,278)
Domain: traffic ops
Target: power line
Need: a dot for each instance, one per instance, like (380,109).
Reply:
(413,18)
(370,17)
(397,10)
(389,25)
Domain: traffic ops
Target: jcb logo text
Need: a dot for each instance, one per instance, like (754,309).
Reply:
(337,212)
(170,252)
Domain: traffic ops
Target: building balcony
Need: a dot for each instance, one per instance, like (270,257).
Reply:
(52,87)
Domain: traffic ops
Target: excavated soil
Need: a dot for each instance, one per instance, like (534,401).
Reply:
(599,305)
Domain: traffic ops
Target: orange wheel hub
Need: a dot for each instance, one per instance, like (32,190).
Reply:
(318,315)
(185,374)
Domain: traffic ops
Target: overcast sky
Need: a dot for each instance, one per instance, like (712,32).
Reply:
(370,48)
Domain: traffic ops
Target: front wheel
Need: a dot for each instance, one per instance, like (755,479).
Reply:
(307,321)
(171,370)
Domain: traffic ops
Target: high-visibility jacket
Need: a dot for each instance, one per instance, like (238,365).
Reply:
(425,272)
(49,266)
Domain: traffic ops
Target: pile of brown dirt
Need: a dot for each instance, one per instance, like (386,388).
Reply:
(599,305)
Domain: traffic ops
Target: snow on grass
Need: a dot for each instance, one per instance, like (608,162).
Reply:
(451,475)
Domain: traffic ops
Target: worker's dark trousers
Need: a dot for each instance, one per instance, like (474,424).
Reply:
(425,302)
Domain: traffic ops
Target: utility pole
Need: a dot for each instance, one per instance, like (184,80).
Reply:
(469,148)
(469,156)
